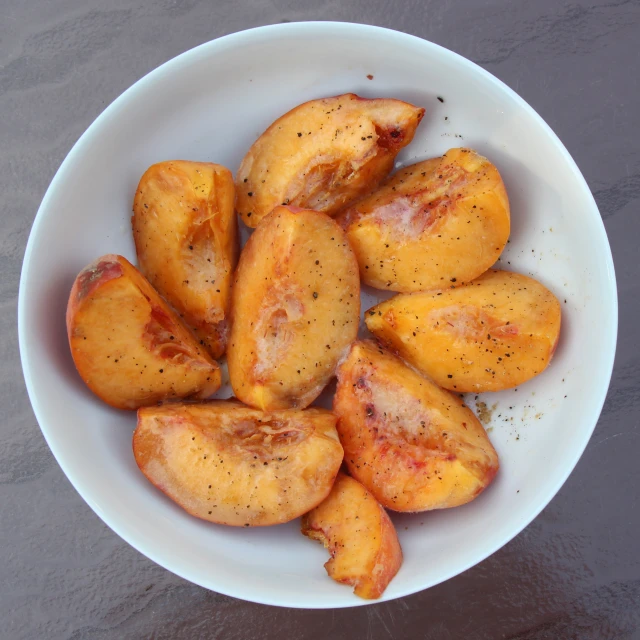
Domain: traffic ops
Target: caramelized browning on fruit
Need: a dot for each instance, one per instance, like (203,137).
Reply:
(226,463)
(437,223)
(296,305)
(491,334)
(324,154)
(413,445)
(129,347)
(362,541)
(185,229)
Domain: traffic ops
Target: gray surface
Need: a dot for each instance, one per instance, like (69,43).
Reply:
(574,573)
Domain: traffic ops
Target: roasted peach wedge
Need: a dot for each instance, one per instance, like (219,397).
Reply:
(491,334)
(128,345)
(436,223)
(414,446)
(362,541)
(185,230)
(226,463)
(324,154)
(295,309)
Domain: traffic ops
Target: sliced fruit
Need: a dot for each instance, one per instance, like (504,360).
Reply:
(185,230)
(226,463)
(295,309)
(436,223)
(128,345)
(362,541)
(324,154)
(413,445)
(491,334)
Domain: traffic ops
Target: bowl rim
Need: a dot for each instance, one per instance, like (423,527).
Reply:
(209,49)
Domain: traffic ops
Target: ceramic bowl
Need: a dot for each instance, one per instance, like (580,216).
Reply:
(210,104)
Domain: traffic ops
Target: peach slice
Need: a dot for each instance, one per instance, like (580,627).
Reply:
(362,541)
(324,154)
(185,230)
(295,309)
(493,333)
(128,345)
(415,446)
(436,223)
(226,463)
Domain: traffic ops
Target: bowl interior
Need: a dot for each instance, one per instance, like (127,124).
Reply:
(210,104)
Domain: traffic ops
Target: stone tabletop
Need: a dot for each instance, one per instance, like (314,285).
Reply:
(573,573)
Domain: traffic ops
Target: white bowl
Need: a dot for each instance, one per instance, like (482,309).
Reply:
(210,104)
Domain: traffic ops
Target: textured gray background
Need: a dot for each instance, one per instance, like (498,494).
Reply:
(574,573)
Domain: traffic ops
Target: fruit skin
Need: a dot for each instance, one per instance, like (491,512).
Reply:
(494,333)
(324,154)
(185,231)
(128,345)
(364,546)
(226,463)
(414,446)
(437,223)
(295,309)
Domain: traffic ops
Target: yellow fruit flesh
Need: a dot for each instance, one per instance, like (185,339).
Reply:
(413,445)
(128,346)
(359,535)
(185,230)
(437,223)
(296,306)
(229,464)
(494,333)
(323,154)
